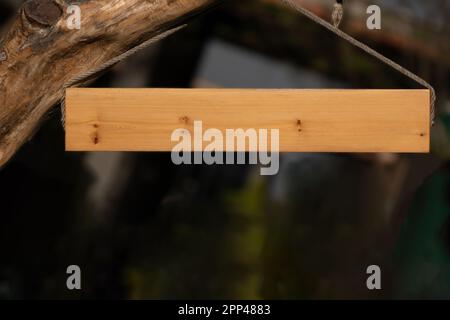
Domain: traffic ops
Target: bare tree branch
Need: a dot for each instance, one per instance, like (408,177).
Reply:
(40,54)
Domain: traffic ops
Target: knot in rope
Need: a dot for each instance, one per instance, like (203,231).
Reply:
(338,13)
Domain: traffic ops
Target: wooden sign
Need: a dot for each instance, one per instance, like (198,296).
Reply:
(307,120)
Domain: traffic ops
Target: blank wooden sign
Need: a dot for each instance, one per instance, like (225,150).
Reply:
(308,120)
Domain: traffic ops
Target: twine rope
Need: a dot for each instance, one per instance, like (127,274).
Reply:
(336,19)
(84,76)
(294,5)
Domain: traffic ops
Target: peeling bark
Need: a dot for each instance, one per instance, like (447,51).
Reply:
(40,54)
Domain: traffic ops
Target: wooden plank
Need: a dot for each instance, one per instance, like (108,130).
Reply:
(308,120)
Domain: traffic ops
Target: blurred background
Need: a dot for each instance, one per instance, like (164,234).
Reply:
(142,228)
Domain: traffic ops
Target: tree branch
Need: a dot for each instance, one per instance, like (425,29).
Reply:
(40,54)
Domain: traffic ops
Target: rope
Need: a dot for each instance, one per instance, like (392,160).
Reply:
(337,16)
(293,4)
(82,77)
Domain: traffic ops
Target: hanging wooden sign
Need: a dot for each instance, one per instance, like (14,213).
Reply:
(307,120)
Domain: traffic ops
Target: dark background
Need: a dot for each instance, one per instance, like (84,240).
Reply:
(140,227)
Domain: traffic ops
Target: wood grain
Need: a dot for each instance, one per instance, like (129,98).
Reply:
(308,120)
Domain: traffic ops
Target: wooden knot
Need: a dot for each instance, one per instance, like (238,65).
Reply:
(299,125)
(94,135)
(184,119)
(338,13)
(43,12)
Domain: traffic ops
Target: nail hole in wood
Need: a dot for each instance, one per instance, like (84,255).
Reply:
(299,125)
(95,138)
(184,119)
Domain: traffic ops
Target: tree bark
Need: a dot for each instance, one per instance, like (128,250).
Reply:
(40,54)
